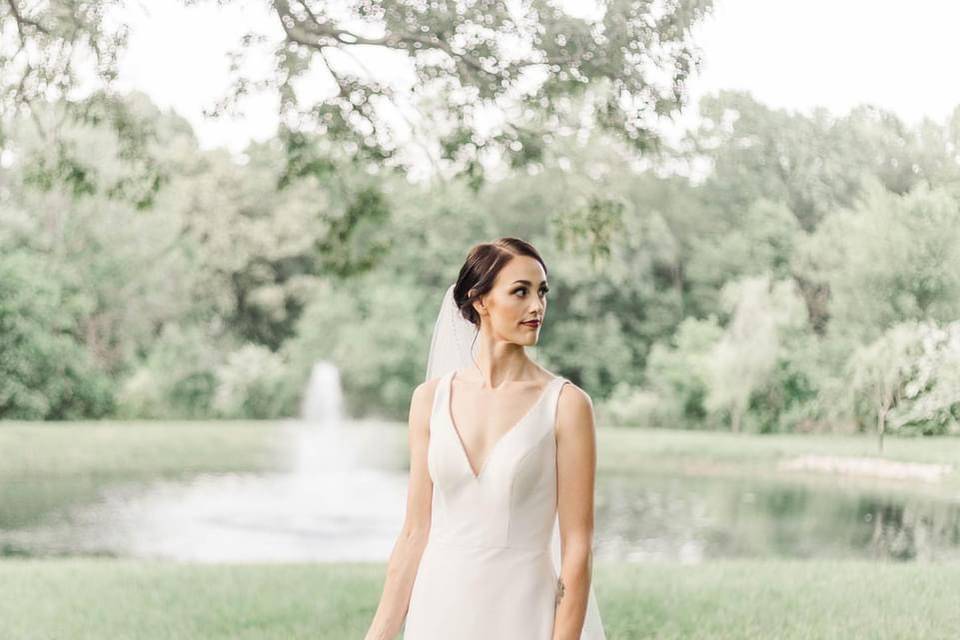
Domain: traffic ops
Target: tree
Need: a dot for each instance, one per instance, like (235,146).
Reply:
(45,371)
(46,46)
(757,238)
(678,370)
(129,266)
(521,61)
(58,63)
(747,352)
(889,259)
(930,402)
(878,371)
(816,163)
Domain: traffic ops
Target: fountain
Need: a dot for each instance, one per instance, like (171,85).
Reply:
(327,506)
(323,399)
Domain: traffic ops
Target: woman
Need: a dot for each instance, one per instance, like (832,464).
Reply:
(502,468)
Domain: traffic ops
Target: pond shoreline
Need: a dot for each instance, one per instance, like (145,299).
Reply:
(866,466)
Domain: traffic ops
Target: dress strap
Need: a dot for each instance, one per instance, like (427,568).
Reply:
(439,398)
(554,401)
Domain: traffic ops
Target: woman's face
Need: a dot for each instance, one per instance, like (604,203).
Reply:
(519,295)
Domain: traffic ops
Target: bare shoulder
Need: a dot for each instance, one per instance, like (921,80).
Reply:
(425,389)
(574,409)
(575,397)
(423,393)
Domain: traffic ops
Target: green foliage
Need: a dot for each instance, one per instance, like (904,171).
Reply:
(677,373)
(814,164)
(930,402)
(187,375)
(45,372)
(249,384)
(62,168)
(530,61)
(353,244)
(890,259)
(746,300)
(177,379)
(706,374)
(53,48)
(746,355)
(878,373)
(594,225)
(104,145)
(376,331)
(790,398)
(760,238)
(907,379)
(304,158)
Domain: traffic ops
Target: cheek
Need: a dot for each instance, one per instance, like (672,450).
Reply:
(518,308)
(510,312)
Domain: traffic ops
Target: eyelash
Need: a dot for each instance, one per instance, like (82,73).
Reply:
(544,290)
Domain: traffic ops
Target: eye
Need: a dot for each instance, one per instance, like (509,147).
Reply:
(543,290)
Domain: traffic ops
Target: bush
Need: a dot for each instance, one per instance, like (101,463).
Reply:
(177,379)
(636,407)
(46,372)
(248,384)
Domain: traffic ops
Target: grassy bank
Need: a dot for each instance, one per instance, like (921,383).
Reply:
(136,448)
(621,444)
(87,599)
(701,453)
(115,449)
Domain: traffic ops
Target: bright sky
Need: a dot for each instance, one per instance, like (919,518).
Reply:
(895,54)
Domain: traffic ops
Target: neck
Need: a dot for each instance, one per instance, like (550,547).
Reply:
(499,362)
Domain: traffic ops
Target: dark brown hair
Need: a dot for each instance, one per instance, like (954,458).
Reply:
(484,261)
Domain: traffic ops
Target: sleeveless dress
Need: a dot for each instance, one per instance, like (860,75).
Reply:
(486,572)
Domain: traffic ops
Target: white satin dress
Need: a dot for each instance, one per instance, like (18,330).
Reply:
(486,572)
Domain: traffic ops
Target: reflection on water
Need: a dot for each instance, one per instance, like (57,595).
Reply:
(691,519)
(333,508)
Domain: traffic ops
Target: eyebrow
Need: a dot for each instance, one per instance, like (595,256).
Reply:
(526,282)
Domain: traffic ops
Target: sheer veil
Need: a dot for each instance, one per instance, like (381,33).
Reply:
(453,347)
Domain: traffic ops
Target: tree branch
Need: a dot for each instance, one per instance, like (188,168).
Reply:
(22,21)
(316,34)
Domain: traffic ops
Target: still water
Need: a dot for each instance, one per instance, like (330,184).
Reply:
(338,502)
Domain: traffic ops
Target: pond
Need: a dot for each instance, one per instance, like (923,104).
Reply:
(343,499)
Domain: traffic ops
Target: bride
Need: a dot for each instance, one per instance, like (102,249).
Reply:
(497,542)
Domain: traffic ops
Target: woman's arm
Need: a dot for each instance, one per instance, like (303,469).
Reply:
(576,470)
(405,557)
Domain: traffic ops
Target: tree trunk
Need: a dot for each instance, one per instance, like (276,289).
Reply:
(881,426)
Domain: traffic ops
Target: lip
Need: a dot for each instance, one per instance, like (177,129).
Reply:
(533,324)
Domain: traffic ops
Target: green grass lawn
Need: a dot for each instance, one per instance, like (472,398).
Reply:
(74,598)
(622,446)
(81,599)
(136,448)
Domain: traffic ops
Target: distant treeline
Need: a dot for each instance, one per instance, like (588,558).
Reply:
(804,274)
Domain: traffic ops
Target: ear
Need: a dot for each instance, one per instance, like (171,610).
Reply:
(478,305)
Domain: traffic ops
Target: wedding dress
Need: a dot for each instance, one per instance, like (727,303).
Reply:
(490,567)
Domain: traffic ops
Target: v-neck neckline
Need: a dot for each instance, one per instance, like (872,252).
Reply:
(493,449)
